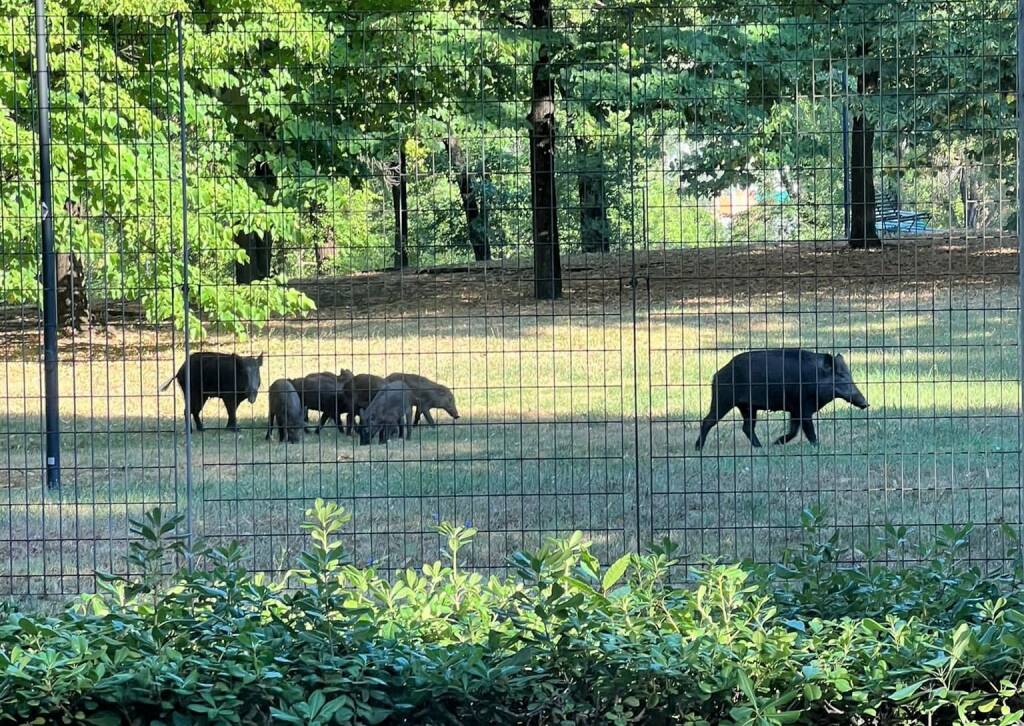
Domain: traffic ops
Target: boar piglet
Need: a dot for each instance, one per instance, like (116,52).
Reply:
(427,395)
(327,393)
(361,390)
(801,382)
(229,377)
(389,410)
(286,411)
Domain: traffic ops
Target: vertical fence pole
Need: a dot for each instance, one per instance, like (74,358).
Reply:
(638,500)
(49,257)
(846,157)
(184,284)
(1020,256)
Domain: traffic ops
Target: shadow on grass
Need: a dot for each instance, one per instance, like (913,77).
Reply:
(517,481)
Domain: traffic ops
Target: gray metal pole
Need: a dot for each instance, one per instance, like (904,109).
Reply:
(49,258)
(185,252)
(1020,248)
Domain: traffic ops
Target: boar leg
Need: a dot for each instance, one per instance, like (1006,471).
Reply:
(794,429)
(749,422)
(232,406)
(197,407)
(715,414)
(809,432)
(270,427)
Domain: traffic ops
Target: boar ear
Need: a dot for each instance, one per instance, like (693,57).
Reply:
(839,358)
(259,359)
(828,361)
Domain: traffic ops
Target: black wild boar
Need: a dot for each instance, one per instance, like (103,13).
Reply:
(229,377)
(801,382)
(362,390)
(327,393)
(427,395)
(391,408)
(285,411)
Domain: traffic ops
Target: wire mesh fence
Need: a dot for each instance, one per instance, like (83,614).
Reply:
(570,218)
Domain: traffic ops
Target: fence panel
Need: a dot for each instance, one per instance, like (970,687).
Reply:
(570,217)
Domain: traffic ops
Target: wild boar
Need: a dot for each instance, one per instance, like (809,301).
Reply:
(229,377)
(801,382)
(427,395)
(285,411)
(389,410)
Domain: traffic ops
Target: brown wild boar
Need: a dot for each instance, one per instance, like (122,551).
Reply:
(362,390)
(285,411)
(427,395)
(327,393)
(389,410)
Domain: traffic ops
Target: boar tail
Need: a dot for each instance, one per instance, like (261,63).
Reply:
(167,385)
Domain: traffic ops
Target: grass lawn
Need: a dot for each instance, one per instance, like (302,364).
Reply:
(576,415)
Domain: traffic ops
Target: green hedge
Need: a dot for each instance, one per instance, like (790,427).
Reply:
(564,641)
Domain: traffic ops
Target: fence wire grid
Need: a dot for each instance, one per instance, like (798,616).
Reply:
(571,216)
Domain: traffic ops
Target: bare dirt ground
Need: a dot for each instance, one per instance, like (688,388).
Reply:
(677,276)
(729,273)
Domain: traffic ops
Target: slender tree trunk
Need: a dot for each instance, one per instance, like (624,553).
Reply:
(72,299)
(400,204)
(477,228)
(595,230)
(325,246)
(863,232)
(547,264)
(969,195)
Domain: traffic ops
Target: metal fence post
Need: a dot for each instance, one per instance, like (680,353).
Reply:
(1020,256)
(845,114)
(49,257)
(638,500)
(184,284)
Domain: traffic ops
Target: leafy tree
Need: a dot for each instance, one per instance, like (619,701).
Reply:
(116,160)
(918,75)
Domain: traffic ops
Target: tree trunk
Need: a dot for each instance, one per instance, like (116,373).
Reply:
(863,233)
(547,264)
(595,230)
(477,228)
(72,300)
(258,247)
(325,246)
(969,195)
(400,203)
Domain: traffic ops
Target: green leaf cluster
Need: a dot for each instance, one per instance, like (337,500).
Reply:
(561,639)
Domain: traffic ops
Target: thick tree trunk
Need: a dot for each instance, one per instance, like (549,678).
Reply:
(547,264)
(72,300)
(259,248)
(863,233)
(400,203)
(477,227)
